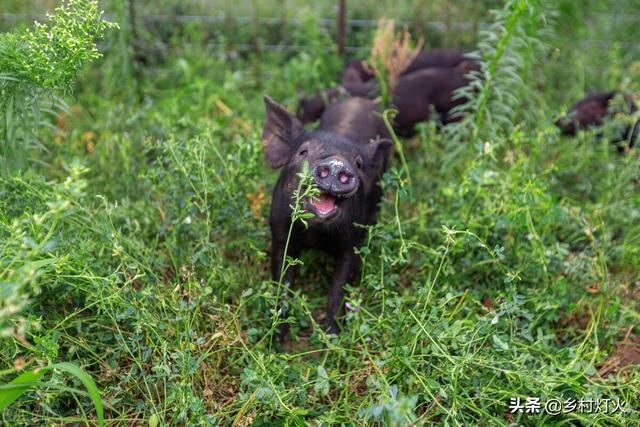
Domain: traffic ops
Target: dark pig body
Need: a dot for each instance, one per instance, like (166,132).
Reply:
(440,58)
(418,93)
(587,112)
(356,71)
(593,110)
(427,87)
(311,109)
(346,159)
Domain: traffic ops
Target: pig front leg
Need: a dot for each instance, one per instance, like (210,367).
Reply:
(278,259)
(347,269)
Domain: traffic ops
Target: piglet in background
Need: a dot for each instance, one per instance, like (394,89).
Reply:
(594,110)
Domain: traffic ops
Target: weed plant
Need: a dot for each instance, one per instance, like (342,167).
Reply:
(136,247)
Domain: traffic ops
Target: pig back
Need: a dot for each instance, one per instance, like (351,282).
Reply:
(436,58)
(418,92)
(357,119)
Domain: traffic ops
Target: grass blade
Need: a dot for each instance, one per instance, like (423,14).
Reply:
(30,379)
(19,386)
(88,382)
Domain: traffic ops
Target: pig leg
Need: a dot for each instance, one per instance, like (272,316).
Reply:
(347,269)
(277,260)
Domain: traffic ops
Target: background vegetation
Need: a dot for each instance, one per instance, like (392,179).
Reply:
(134,240)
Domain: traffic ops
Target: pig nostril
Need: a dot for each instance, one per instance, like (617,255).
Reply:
(324,172)
(344,177)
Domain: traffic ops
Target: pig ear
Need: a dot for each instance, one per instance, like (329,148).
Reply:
(281,128)
(379,153)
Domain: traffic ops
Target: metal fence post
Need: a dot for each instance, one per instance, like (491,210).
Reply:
(228,22)
(341,25)
(283,19)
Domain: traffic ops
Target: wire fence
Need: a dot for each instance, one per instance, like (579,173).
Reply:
(441,26)
(228,22)
(274,20)
(234,32)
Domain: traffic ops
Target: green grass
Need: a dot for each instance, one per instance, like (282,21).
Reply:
(136,247)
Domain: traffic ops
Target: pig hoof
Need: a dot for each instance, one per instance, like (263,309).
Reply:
(333,328)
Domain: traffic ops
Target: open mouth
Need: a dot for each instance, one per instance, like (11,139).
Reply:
(324,206)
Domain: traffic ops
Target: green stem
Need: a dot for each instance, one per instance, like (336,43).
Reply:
(396,142)
(295,215)
(500,50)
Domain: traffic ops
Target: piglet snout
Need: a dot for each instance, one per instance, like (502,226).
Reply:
(336,176)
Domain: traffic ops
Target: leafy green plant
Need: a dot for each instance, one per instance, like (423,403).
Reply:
(507,50)
(38,63)
(306,188)
(28,239)
(507,268)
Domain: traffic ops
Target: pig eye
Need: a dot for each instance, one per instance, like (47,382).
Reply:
(302,153)
(359,163)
